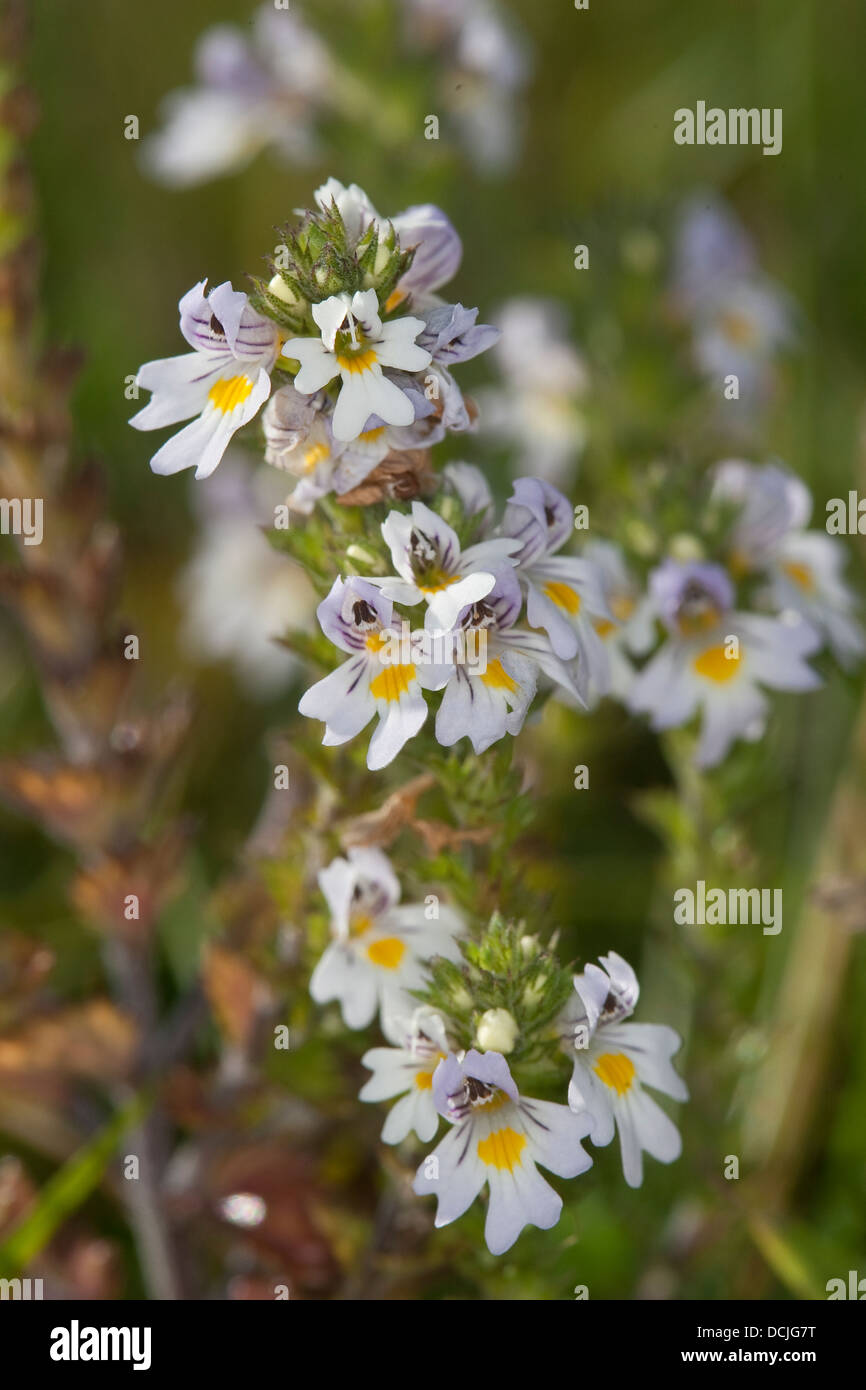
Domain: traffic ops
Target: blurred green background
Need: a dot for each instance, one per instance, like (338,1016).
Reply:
(597,161)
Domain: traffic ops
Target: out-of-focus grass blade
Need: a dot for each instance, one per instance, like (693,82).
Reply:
(65,1192)
(784,1260)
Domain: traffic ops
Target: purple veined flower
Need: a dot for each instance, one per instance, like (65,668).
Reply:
(630,631)
(406,1070)
(249,94)
(224,381)
(489,692)
(536,409)
(356,345)
(564,595)
(498,1138)
(357,618)
(426,228)
(431,567)
(716,660)
(803,568)
(614,1061)
(379,947)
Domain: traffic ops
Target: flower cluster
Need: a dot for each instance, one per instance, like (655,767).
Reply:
(449,1062)
(363,344)
(276,88)
(531,611)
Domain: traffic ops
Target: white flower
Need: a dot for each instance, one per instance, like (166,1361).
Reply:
(249,94)
(224,382)
(406,1070)
(564,595)
(379,948)
(630,631)
(497,1031)
(484,699)
(804,568)
(498,1138)
(716,659)
(355,345)
(355,616)
(239,595)
(614,1060)
(426,555)
(536,407)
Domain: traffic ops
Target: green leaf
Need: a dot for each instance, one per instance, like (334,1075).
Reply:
(67,1190)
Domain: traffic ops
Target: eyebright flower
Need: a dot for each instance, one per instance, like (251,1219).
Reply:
(630,631)
(613,1060)
(716,659)
(563,592)
(355,616)
(379,948)
(535,408)
(804,568)
(427,557)
(224,381)
(498,1138)
(239,595)
(740,318)
(485,701)
(406,1070)
(248,95)
(355,345)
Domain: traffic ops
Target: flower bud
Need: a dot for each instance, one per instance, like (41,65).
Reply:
(280,290)
(497,1031)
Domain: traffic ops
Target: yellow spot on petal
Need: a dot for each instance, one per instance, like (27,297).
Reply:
(230,392)
(740,329)
(371,436)
(502,1149)
(801,575)
(394,298)
(358,362)
(717,664)
(435,583)
(563,596)
(375,642)
(388,952)
(616,1071)
(315,455)
(604,627)
(393,682)
(358,925)
(424,1080)
(622,607)
(497,677)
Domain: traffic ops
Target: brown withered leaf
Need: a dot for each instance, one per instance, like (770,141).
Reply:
(238,995)
(400,476)
(381,827)
(438,836)
(93,1040)
(149,873)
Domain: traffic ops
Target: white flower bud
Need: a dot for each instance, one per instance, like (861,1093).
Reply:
(686,548)
(497,1031)
(280,290)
